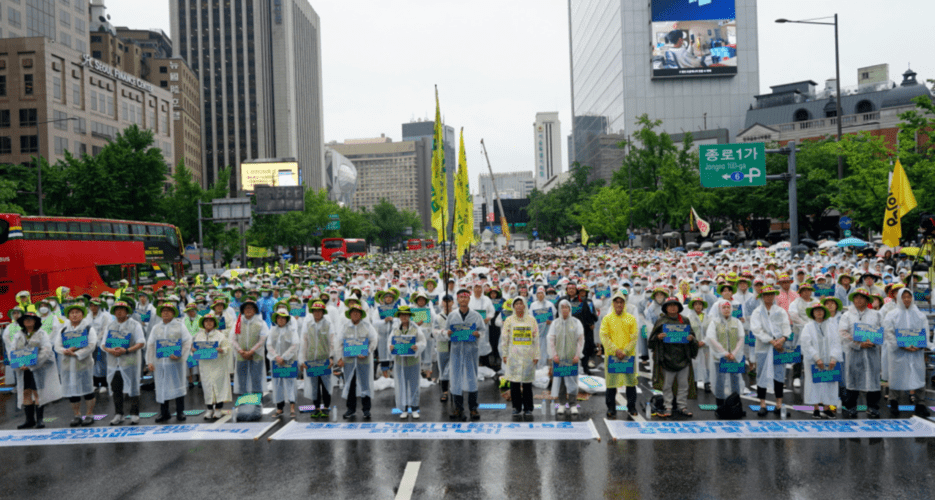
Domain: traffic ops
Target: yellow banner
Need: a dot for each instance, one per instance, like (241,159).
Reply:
(439,176)
(899,202)
(257,252)
(464,205)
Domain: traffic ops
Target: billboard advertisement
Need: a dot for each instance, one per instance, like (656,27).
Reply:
(694,38)
(275,174)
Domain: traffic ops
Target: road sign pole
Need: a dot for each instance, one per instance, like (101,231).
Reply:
(793,198)
(201,242)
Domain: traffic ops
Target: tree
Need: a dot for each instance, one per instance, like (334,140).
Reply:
(605,214)
(863,191)
(7,197)
(551,213)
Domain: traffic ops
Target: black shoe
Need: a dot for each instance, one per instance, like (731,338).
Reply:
(517,414)
(894,411)
(180,417)
(873,413)
(829,413)
(816,414)
(455,415)
(922,411)
(849,414)
(763,411)
(86,421)
(612,414)
(777,411)
(40,424)
(162,418)
(348,414)
(475,415)
(29,424)
(75,422)
(707,388)
(367,415)
(527,416)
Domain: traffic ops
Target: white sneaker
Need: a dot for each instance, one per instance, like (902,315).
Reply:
(404,415)
(574,410)
(209,414)
(797,383)
(559,410)
(134,419)
(102,390)
(118,419)
(415,415)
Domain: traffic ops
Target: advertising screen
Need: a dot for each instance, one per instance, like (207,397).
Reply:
(271,174)
(694,38)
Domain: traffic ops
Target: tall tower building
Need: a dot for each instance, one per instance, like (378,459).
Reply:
(547,146)
(259,62)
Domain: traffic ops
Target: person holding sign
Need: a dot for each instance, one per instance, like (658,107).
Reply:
(383,323)
(619,334)
(519,345)
(725,338)
(463,328)
(99,319)
(123,342)
(317,344)
(821,352)
(772,329)
(211,348)
(798,315)
(76,342)
(9,333)
(442,344)
(565,344)
(37,383)
(167,351)
(484,306)
(282,351)
(859,327)
(422,313)
(249,346)
(698,316)
(674,347)
(544,312)
(407,343)
(906,329)
(356,342)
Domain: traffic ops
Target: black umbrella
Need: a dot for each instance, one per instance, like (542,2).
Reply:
(691,246)
(799,249)
(715,251)
(757,243)
(809,242)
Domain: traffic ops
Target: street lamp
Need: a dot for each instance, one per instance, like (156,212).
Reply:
(837,67)
(39,150)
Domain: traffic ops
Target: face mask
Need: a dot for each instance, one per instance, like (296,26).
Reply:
(770,281)
(53,302)
(43,310)
(705,288)
(287,295)
(110,302)
(293,305)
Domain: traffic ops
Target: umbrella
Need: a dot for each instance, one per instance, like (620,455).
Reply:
(671,234)
(883,249)
(810,243)
(723,243)
(695,254)
(828,244)
(757,243)
(780,245)
(691,245)
(910,251)
(678,249)
(480,270)
(706,245)
(715,251)
(852,242)
(799,249)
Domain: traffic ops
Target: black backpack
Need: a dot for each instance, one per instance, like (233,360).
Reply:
(732,409)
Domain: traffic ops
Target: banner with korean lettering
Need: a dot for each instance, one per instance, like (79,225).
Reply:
(494,431)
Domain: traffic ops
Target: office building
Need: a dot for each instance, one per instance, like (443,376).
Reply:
(64,22)
(415,130)
(259,63)
(342,178)
(547,147)
(42,80)
(176,76)
(510,185)
(693,65)
(399,172)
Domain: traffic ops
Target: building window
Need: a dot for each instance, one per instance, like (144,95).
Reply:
(864,107)
(164,84)
(28,117)
(57,87)
(59,115)
(96,39)
(81,148)
(96,54)
(163,69)
(29,144)
(64,18)
(801,115)
(125,111)
(4,118)
(6,146)
(61,144)
(28,85)
(76,94)
(81,126)
(15,18)
(93,100)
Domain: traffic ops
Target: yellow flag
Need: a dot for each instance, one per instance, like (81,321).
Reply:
(899,202)
(464,205)
(505,228)
(439,176)
(584,236)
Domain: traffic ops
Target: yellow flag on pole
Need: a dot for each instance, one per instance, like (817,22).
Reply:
(464,206)
(899,202)
(584,236)
(439,176)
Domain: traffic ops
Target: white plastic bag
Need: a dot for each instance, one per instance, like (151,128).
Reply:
(383,383)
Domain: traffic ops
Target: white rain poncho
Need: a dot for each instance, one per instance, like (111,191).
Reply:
(768,326)
(283,342)
(45,372)
(863,365)
(250,375)
(355,367)
(723,336)
(129,365)
(76,372)
(542,306)
(820,341)
(906,369)
(214,374)
(170,374)
(317,343)
(519,346)
(565,339)
(406,368)
(100,323)
(484,304)
(464,355)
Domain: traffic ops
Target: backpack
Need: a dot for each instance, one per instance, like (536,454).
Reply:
(658,405)
(732,409)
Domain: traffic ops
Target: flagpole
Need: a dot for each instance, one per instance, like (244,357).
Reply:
(493,182)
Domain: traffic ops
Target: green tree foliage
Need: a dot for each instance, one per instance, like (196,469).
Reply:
(7,197)
(552,213)
(389,224)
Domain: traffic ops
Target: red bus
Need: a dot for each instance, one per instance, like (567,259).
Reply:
(413,244)
(40,254)
(428,244)
(349,247)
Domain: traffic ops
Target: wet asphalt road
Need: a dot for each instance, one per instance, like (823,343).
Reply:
(748,468)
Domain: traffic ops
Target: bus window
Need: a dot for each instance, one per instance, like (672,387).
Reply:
(73,231)
(30,230)
(97,231)
(173,237)
(4,231)
(110,275)
(334,244)
(139,231)
(123,231)
(86,231)
(105,232)
(58,230)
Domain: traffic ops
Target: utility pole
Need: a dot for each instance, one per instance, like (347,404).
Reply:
(493,182)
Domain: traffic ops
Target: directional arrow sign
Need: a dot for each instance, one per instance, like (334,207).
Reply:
(732,165)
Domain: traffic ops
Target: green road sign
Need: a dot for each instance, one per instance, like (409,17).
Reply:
(334,216)
(732,165)
(333,226)
(847,233)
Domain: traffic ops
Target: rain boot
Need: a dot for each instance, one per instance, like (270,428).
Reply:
(30,411)
(40,414)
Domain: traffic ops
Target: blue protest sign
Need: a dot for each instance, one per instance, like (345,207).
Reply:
(356,347)
(204,350)
(421,314)
(749,339)
(24,357)
(576,307)
(907,337)
(737,312)
(867,333)
(827,375)
(826,290)
(482,312)
(463,333)
(789,357)
(116,338)
(602,292)
(615,365)
(404,345)
(291,370)
(168,348)
(543,315)
(318,368)
(387,312)
(75,339)
(676,334)
(561,370)
(726,366)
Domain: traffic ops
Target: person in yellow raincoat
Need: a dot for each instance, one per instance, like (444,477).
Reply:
(619,334)
(519,346)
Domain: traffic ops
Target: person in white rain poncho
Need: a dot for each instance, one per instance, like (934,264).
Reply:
(406,366)
(519,346)
(282,350)
(214,373)
(464,357)
(544,313)
(442,344)
(821,348)
(863,358)
(483,305)
(75,343)
(696,312)
(316,357)
(250,350)
(770,326)
(358,369)
(36,385)
(167,350)
(725,338)
(907,362)
(565,339)
(99,319)
(123,342)
(387,303)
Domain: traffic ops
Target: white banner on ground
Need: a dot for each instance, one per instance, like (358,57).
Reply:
(783,429)
(132,434)
(536,431)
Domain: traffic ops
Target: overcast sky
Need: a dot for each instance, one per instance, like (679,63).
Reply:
(497,63)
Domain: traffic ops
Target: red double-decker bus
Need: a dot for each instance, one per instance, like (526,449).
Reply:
(40,254)
(428,244)
(348,247)
(413,245)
